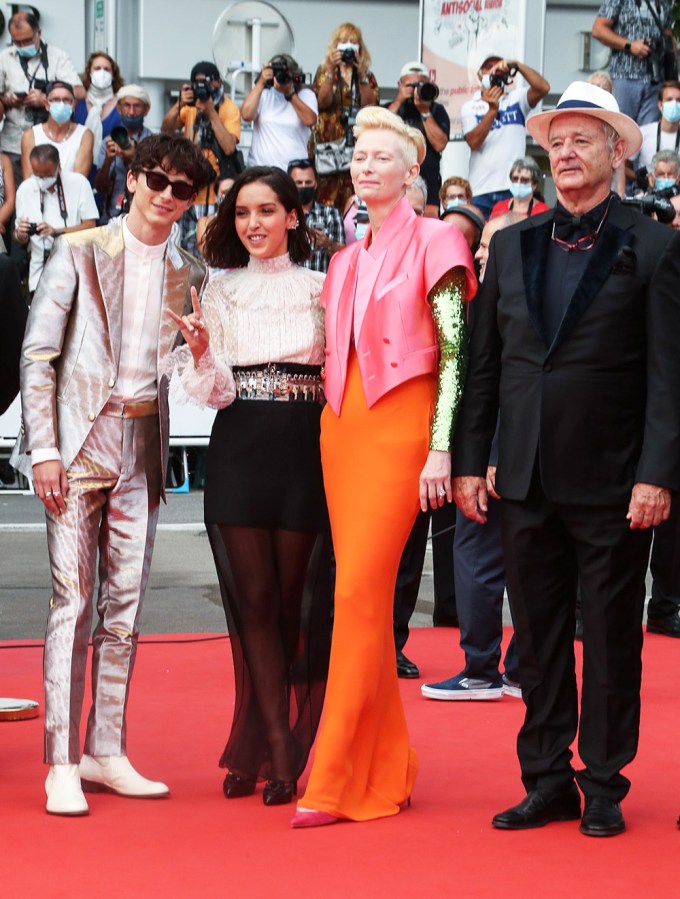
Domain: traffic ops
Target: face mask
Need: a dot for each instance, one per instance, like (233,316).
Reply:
(61,112)
(671,110)
(132,122)
(101,78)
(27,52)
(348,45)
(45,183)
(306,194)
(521,191)
(217,95)
(663,183)
(486,82)
(452,204)
(361,229)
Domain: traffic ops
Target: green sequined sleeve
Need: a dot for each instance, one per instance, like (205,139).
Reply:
(447,301)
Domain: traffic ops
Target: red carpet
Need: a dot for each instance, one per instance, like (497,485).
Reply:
(196,844)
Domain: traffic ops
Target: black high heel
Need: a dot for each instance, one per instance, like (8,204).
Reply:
(237,785)
(279,792)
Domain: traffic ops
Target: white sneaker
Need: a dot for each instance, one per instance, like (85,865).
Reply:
(64,792)
(115,773)
(511,687)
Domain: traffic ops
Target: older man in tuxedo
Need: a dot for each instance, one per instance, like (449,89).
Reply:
(575,341)
(95,415)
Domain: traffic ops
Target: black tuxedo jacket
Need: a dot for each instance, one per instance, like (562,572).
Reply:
(600,404)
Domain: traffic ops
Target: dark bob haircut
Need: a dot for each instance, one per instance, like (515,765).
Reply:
(222,245)
(173,153)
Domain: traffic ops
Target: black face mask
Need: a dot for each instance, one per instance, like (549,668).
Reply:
(307,195)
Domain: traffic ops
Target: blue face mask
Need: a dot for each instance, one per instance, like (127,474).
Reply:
(132,122)
(27,52)
(61,112)
(663,183)
(670,110)
(520,191)
(452,204)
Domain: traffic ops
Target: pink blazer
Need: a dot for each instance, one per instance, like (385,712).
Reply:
(382,290)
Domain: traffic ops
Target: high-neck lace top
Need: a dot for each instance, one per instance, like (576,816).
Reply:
(268,311)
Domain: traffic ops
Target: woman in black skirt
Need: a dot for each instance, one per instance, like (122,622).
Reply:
(254,350)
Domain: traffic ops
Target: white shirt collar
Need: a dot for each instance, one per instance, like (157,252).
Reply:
(137,248)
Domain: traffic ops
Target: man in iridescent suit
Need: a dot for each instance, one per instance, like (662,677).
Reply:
(95,434)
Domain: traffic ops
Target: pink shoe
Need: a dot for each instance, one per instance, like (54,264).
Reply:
(311,818)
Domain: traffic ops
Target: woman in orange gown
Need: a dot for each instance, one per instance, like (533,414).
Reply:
(395,360)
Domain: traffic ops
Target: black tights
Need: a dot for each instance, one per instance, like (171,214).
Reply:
(262,574)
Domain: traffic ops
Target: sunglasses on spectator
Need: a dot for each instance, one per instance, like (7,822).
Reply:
(521,179)
(157,181)
(301,164)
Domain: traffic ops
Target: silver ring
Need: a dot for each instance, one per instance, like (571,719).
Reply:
(56,493)
(442,493)
(48,493)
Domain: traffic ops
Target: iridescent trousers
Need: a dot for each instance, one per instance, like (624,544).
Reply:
(112,506)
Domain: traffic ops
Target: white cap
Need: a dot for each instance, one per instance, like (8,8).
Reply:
(414,68)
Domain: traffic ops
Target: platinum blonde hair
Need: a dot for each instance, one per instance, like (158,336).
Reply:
(412,140)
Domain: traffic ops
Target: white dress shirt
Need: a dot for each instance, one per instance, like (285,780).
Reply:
(142,299)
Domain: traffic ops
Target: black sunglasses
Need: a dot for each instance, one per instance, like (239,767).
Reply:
(157,181)
(301,164)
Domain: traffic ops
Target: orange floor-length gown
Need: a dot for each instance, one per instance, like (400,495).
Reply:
(364,766)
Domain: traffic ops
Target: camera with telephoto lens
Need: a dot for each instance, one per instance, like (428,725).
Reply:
(427,91)
(653,204)
(501,78)
(655,60)
(37,115)
(120,137)
(201,91)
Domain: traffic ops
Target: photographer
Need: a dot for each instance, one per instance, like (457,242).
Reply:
(494,126)
(49,203)
(644,52)
(344,84)
(25,69)
(118,149)
(211,120)
(664,134)
(283,112)
(415,104)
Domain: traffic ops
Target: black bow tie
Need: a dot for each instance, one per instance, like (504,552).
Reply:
(571,227)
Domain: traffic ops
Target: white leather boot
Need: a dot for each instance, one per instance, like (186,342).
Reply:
(115,773)
(64,792)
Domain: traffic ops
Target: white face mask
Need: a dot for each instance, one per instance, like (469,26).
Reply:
(101,78)
(45,183)
(348,45)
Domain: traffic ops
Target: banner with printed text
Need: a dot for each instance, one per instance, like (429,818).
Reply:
(458,35)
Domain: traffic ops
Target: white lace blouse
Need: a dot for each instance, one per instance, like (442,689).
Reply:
(266,312)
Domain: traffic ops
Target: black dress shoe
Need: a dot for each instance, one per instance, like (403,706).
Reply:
(602,817)
(539,808)
(279,792)
(669,626)
(237,785)
(405,667)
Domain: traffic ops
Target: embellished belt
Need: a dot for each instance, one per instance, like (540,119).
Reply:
(142,409)
(279,382)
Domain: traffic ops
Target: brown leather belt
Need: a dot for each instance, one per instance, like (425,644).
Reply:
(142,409)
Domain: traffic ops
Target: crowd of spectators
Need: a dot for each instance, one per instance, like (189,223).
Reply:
(95,121)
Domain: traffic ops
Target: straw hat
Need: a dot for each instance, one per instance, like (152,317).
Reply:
(587,99)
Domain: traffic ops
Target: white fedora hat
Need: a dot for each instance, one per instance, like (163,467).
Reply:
(586,99)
